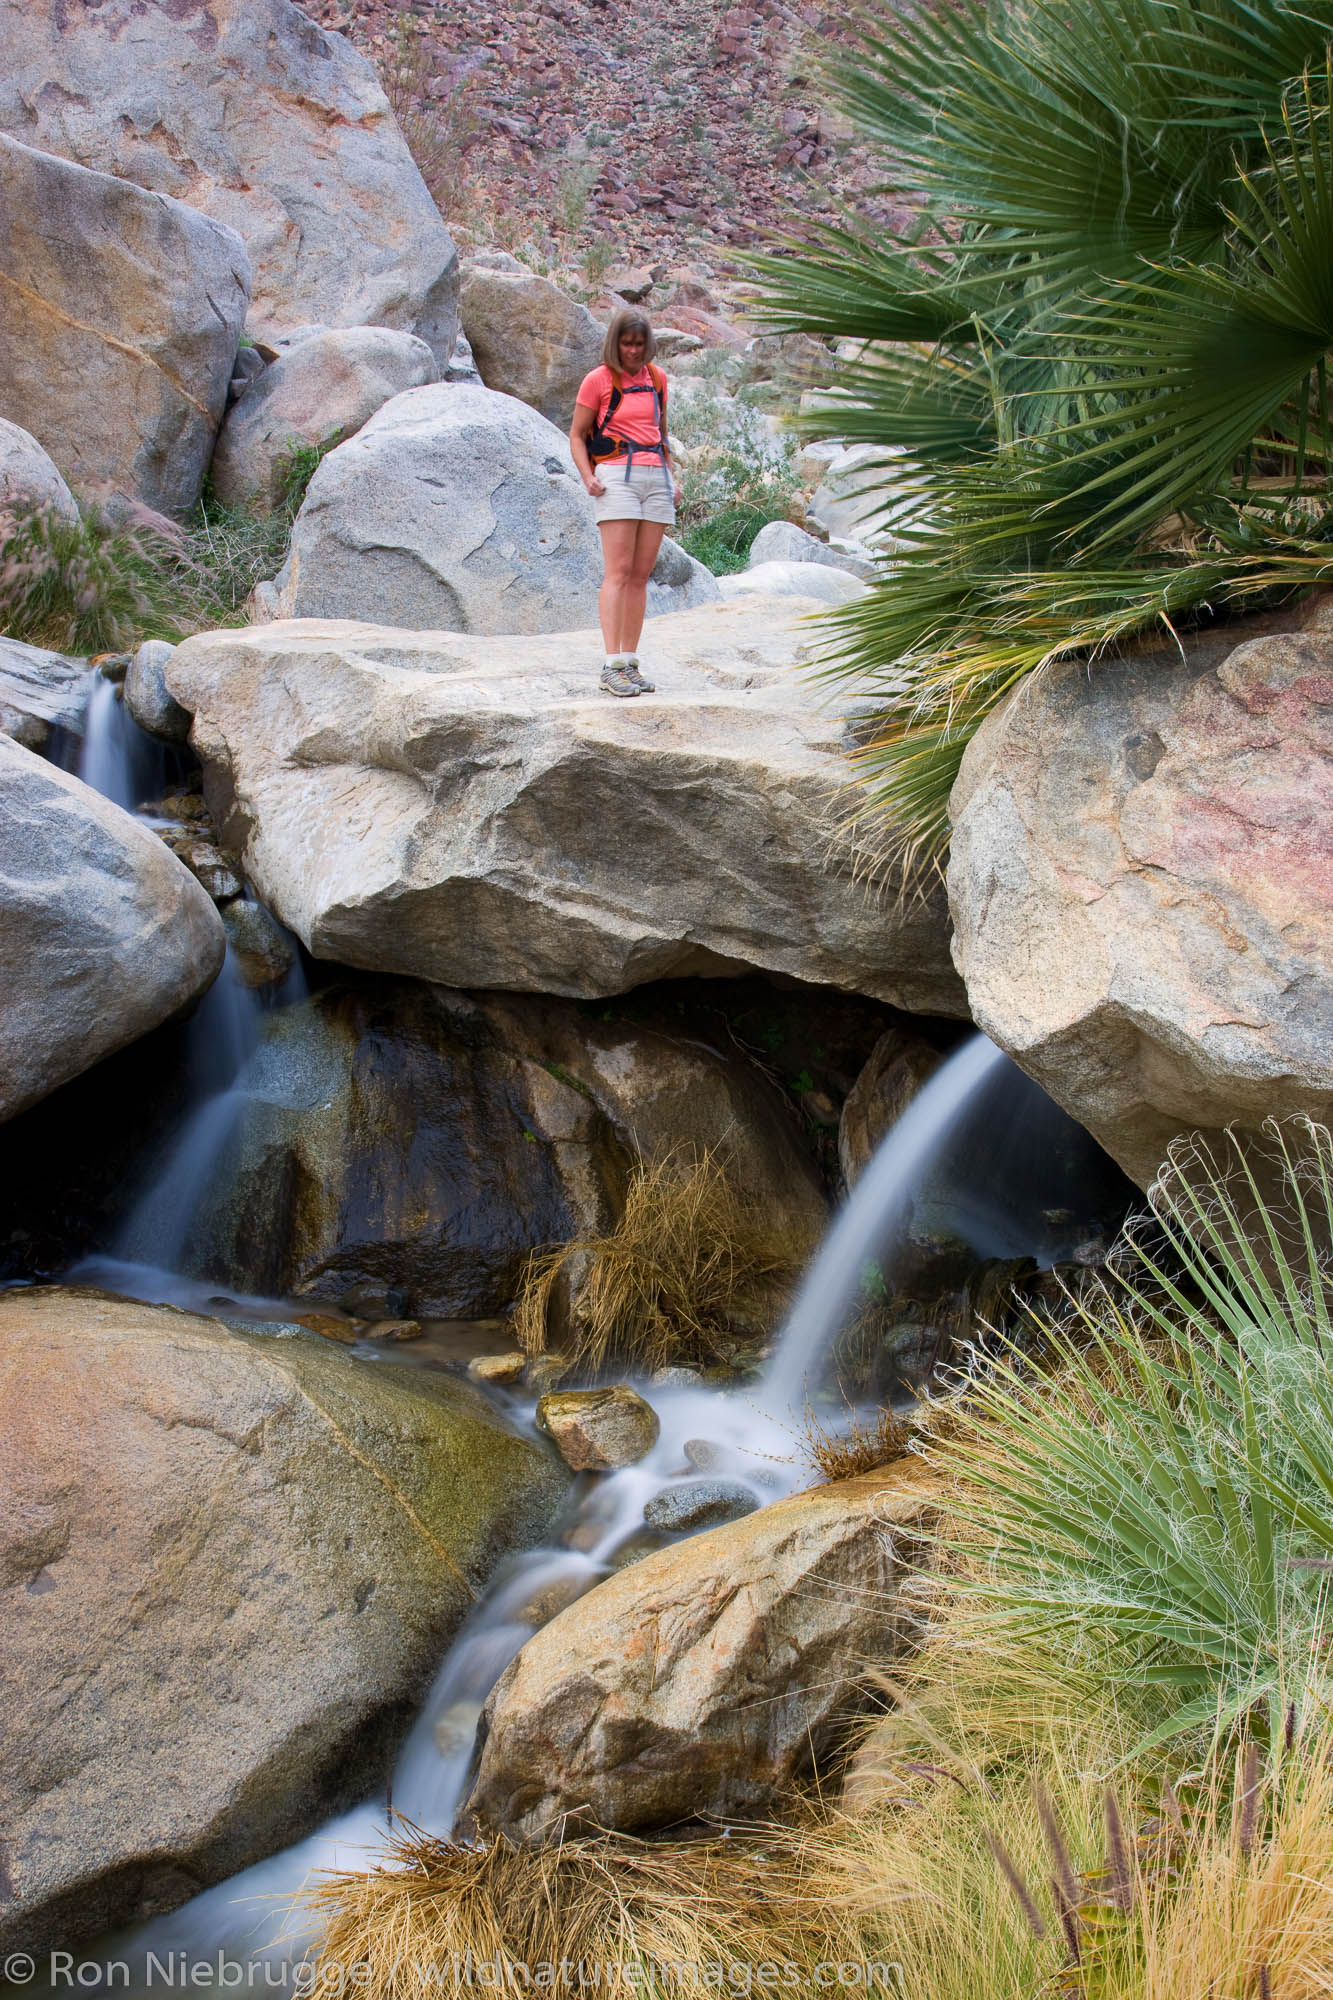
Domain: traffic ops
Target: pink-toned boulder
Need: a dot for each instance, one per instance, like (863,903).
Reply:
(1142,886)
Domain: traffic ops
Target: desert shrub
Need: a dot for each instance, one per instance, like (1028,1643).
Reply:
(982,1848)
(690,1265)
(862,1442)
(1158,1514)
(230,550)
(92,585)
(735,476)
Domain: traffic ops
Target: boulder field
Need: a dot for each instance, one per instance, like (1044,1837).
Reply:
(248,112)
(124,935)
(477,814)
(1140,885)
(229,1564)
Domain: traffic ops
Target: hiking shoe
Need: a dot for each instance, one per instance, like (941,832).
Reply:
(615,680)
(644,687)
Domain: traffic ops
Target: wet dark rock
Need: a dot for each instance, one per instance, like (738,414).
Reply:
(261,950)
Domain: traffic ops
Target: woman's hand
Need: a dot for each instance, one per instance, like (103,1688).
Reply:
(595,487)
(677,492)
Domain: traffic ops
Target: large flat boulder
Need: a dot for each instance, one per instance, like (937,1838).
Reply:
(456,509)
(249,112)
(323,388)
(120,313)
(229,1564)
(478,814)
(103,933)
(528,338)
(1140,876)
(708,1678)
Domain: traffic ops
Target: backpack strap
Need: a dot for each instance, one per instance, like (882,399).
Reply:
(601,444)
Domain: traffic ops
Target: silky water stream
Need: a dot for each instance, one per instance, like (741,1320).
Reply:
(979,1136)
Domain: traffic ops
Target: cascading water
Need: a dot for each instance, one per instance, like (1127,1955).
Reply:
(150,1257)
(116,757)
(976,1099)
(868,1225)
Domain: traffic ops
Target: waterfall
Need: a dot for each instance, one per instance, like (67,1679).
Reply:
(873,1218)
(979,1130)
(116,757)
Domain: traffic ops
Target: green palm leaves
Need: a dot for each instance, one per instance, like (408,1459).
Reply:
(1101,350)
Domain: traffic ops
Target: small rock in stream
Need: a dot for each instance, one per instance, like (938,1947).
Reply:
(598,1430)
(372,1299)
(392,1329)
(261,951)
(699,1503)
(502,1371)
(543,1371)
(675,1378)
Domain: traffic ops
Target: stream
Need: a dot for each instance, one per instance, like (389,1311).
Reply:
(972,1135)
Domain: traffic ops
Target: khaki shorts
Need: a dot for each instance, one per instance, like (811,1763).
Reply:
(645,496)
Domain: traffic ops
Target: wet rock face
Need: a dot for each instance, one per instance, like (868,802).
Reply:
(390,1139)
(1140,887)
(229,1565)
(437,1095)
(246,111)
(118,338)
(123,934)
(476,813)
(705,1677)
(422,1142)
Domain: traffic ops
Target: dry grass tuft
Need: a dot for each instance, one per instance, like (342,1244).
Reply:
(673,1908)
(860,1445)
(690,1265)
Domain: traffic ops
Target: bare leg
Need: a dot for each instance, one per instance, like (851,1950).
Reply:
(618,544)
(647,542)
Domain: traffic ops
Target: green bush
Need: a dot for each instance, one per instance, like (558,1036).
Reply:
(1158,1518)
(735,477)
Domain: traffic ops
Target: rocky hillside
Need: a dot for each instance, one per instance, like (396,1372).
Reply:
(694,128)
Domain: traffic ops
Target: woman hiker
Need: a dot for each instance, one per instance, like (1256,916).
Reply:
(619,442)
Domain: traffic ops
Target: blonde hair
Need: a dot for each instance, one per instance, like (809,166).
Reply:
(628,320)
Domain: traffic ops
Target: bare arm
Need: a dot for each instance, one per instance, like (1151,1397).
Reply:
(584,419)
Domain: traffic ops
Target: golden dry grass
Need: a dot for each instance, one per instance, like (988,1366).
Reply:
(673,1908)
(862,1444)
(690,1265)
